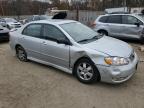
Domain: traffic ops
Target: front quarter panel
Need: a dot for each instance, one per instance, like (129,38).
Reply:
(78,52)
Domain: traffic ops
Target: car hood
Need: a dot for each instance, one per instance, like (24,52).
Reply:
(110,46)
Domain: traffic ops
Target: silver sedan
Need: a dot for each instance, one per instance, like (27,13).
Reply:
(75,48)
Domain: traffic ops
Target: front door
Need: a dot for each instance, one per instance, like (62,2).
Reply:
(130,29)
(52,51)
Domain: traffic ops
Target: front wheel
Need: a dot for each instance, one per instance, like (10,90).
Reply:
(86,72)
(21,54)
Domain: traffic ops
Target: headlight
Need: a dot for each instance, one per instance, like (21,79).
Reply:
(116,61)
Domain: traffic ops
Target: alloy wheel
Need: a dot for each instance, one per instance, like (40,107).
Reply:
(85,71)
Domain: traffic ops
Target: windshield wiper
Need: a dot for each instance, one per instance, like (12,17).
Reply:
(97,37)
(93,38)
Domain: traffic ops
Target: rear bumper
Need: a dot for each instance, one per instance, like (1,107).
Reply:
(118,74)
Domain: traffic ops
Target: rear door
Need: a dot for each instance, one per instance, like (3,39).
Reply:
(130,29)
(114,24)
(31,39)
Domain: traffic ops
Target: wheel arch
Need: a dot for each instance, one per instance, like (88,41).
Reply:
(106,31)
(85,57)
(17,45)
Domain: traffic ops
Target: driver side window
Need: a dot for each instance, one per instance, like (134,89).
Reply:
(51,32)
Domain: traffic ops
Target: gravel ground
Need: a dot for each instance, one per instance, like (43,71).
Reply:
(32,85)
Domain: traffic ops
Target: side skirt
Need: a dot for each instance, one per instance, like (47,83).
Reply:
(50,64)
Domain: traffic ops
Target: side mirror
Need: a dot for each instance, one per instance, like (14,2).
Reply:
(66,42)
(137,24)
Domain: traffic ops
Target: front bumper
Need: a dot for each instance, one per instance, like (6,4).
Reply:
(118,74)
(4,36)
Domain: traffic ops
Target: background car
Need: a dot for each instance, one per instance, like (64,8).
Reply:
(59,15)
(3,23)
(4,34)
(11,23)
(128,26)
(75,48)
(37,17)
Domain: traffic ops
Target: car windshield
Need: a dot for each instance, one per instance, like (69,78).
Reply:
(79,32)
(10,20)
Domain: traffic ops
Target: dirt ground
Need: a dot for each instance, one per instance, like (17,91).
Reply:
(32,85)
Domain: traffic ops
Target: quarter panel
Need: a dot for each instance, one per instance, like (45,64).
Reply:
(80,52)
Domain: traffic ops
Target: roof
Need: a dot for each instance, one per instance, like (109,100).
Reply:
(116,14)
(53,21)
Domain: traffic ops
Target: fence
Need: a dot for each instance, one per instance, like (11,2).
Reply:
(85,17)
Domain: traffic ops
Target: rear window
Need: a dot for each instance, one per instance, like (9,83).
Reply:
(116,19)
(103,19)
(33,30)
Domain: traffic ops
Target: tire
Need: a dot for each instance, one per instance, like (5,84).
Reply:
(103,32)
(86,72)
(21,54)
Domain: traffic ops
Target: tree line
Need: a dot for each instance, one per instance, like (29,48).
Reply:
(23,7)
(29,7)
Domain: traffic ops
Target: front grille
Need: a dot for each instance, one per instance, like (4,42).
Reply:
(17,25)
(4,34)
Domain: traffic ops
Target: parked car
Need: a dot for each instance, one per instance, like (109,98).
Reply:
(3,23)
(4,34)
(11,23)
(76,49)
(128,26)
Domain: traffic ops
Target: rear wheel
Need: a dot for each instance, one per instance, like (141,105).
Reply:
(86,72)
(21,54)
